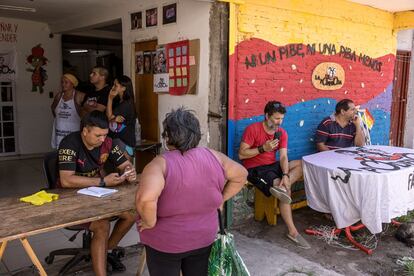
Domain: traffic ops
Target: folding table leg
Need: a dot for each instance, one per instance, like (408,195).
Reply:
(33,256)
(142,262)
(2,248)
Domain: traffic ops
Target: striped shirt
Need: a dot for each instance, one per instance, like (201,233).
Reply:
(333,135)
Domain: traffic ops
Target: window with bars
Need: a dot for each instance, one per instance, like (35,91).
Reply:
(7,119)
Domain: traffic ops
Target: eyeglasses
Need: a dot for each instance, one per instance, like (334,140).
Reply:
(277,105)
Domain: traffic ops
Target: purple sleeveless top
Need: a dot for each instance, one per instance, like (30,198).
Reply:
(187,207)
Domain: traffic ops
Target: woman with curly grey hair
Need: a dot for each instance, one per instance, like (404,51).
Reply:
(178,197)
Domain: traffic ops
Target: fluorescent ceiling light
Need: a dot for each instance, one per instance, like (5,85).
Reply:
(16,8)
(78,51)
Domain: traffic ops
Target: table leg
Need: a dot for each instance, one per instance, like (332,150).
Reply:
(142,262)
(33,256)
(2,248)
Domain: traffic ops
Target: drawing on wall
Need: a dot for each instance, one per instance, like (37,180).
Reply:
(311,79)
(151,17)
(39,75)
(8,66)
(147,62)
(169,14)
(139,62)
(328,76)
(136,21)
(161,82)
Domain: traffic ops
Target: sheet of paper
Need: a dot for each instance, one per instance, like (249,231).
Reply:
(97,191)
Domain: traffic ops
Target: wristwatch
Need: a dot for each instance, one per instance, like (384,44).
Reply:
(287,174)
(102,182)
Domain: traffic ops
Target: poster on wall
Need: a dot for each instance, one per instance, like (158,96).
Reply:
(154,62)
(139,62)
(136,20)
(161,61)
(37,60)
(161,82)
(147,62)
(169,14)
(151,17)
(8,66)
(178,66)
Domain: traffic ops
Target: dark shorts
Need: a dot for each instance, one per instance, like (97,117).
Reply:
(191,263)
(262,176)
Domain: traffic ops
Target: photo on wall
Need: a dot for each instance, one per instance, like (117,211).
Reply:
(169,14)
(154,62)
(139,62)
(136,20)
(151,17)
(148,62)
(161,64)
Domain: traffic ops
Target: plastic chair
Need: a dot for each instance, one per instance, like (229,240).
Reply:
(50,169)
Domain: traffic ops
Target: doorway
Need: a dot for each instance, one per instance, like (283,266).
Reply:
(7,119)
(146,103)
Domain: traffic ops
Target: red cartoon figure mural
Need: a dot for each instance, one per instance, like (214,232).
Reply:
(37,60)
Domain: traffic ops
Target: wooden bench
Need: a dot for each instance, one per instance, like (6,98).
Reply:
(267,206)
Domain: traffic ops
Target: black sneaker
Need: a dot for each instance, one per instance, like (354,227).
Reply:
(115,262)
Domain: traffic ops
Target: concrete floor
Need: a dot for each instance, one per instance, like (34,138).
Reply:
(23,177)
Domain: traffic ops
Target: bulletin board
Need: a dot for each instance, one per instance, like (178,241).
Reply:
(183,66)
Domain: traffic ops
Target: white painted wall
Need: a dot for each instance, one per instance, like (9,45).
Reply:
(405,40)
(192,23)
(34,119)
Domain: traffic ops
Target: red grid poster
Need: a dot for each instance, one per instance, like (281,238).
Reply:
(178,67)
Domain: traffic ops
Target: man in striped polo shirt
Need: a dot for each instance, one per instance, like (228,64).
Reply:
(340,130)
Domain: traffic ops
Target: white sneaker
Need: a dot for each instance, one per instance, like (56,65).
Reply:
(281,194)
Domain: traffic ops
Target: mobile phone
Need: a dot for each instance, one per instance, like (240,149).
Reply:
(277,135)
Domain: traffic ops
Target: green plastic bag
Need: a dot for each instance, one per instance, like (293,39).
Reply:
(224,259)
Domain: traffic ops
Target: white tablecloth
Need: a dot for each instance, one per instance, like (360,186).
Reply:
(373,184)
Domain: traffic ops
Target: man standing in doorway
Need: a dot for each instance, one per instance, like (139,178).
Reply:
(98,99)
(340,130)
(258,148)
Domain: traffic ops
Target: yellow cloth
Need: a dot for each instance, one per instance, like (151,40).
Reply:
(40,198)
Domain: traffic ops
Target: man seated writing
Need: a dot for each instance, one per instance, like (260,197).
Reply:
(258,148)
(340,130)
(82,155)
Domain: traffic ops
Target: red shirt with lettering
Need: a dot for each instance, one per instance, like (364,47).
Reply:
(255,135)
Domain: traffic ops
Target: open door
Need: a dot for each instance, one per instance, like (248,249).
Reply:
(147,111)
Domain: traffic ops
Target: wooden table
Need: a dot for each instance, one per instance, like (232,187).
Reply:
(21,220)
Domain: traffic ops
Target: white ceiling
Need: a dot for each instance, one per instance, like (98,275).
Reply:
(388,5)
(52,11)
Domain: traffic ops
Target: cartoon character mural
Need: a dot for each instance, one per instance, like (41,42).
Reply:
(39,74)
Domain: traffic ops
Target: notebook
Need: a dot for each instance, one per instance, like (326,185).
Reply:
(97,191)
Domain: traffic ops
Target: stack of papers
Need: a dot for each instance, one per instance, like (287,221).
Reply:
(97,191)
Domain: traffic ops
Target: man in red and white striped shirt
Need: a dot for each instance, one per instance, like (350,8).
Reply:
(340,130)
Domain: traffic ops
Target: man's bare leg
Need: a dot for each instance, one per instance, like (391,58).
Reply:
(286,212)
(99,245)
(295,171)
(122,226)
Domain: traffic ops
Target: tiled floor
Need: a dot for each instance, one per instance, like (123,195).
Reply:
(24,177)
